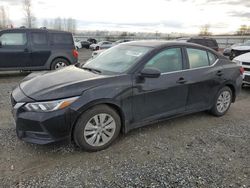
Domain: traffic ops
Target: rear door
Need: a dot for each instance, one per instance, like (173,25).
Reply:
(40,48)
(14,50)
(204,78)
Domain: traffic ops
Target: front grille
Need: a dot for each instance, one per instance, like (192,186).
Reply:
(247,78)
(236,53)
(246,63)
(247,69)
(13,102)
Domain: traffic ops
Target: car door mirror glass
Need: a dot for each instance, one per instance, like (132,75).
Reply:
(150,73)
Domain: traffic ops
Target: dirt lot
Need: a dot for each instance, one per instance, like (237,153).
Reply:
(197,150)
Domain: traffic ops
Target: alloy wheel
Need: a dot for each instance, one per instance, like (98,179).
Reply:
(60,65)
(224,101)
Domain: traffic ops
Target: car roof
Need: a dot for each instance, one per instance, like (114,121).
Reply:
(162,44)
(35,30)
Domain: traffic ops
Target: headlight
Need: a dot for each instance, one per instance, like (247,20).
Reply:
(237,61)
(50,105)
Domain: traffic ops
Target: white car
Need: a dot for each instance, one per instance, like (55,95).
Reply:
(101,45)
(244,61)
(78,44)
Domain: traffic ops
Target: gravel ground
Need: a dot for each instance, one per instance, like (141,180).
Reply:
(197,150)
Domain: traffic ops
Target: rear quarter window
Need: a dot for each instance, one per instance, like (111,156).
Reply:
(61,38)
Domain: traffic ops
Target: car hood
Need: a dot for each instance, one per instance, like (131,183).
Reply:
(243,58)
(241,48)
(67,82)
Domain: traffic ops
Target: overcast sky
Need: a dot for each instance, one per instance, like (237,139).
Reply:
(184,16)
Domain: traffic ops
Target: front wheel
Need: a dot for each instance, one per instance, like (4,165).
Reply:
(97,128)
(222,102)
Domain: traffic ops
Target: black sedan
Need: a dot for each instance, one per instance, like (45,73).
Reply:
(126,87)
(85,44)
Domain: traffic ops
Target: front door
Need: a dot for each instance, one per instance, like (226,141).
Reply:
(155,98)
(14,50)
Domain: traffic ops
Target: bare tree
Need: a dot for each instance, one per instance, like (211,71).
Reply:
(58,23)
(3,18)
(71,25)
(243,30)
(29,17)
(204,30)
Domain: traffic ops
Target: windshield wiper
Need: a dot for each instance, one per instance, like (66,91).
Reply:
(92,70)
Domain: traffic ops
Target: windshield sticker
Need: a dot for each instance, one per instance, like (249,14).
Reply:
(133,53)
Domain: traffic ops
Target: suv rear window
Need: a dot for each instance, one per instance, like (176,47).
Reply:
(39,38)
(61,38)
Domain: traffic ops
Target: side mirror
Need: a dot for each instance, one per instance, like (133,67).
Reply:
(150,73)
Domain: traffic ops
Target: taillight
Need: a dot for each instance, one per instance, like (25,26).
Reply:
(242,70)
(75,53)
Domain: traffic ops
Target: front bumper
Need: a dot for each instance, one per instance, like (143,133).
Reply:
(42,128)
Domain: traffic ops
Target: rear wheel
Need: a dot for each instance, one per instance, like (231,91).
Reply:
(59,63)
(97,128)
(222,102)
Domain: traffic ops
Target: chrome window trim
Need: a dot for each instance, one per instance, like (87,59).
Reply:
(192,68)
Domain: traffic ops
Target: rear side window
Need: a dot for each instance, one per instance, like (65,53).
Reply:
(167,61)
(197,58)
(39,38)
(212,58)
(13,39)
(61,38)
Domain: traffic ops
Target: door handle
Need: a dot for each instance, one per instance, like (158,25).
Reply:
(181,81)
(219,73)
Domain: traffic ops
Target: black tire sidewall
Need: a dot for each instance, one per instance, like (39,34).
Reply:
(78,132)
(214,109)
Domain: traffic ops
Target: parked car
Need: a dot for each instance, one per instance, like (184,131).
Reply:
(97,53)
(240,49)
(78,44)
(204,41)
(101,45)
(244,61)
(128,86)
(92,40)
(227,51)
(85,44)
(36,49)
(121,41)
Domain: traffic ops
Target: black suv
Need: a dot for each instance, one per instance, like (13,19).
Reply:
(204,41)
(36,49)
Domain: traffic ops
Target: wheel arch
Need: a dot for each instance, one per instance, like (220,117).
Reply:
(108,103)
(59,57)
(232,87)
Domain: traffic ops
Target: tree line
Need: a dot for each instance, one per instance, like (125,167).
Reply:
(30,21)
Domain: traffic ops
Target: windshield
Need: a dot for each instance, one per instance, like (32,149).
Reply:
(118,59)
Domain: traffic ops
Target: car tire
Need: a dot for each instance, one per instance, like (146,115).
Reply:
(59,63)
(97,128)
(222,102)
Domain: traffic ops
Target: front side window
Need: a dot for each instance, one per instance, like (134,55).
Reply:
(13,39)
(167,61)
(197,58)
(39,38)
